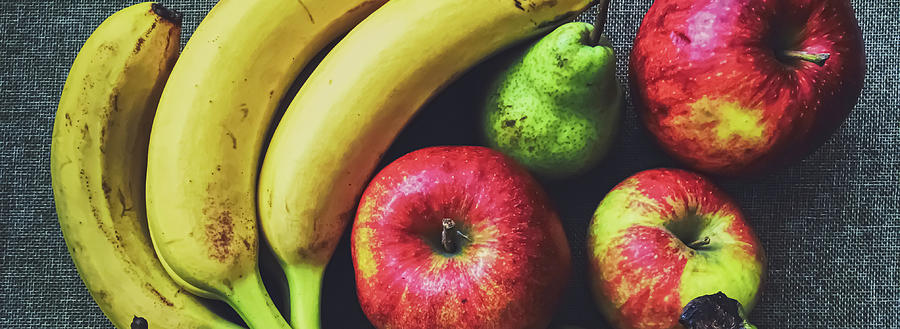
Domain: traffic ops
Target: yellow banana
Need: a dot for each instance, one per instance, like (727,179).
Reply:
(98,162)
(207,137)
(356,101)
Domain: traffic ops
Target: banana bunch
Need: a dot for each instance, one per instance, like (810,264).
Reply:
(201,160)
(98,159)
(208,136)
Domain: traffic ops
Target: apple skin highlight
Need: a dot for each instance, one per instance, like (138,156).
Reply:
(643,271)
(510,275)
(721,87)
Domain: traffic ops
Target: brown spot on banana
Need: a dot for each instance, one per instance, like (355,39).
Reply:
(519,5)
(110,47)
(321,238)
(138,45)
(77,245)
(122,201)
(103,139)
(314,251)
(106,190)
(219,229)
(101,296)
(308,14)
(219,233)
(86,185)
(158,295)
(233,139)
(534,4)
(140,42)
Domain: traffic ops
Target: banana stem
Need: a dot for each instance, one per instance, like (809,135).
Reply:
(305,284)
(251,301)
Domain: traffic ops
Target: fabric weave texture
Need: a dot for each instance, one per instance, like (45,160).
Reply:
(830,224)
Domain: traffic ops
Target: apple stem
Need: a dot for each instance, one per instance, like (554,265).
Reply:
(600,22)
(464,236)
(447,240)
(815,58)
(699,243)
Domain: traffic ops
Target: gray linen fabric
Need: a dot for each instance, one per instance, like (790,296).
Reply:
(830,225)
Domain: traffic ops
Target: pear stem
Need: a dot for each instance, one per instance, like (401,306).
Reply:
(600,22)
(818,59)
(699,243)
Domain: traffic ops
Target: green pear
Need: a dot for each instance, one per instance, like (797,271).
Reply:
(556,108)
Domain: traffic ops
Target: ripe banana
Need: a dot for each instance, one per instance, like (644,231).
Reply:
(98,162)
(357,100)
(208,133)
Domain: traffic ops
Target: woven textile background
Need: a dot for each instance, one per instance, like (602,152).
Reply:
(830,225)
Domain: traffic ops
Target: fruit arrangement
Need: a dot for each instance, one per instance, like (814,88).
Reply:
(173,173)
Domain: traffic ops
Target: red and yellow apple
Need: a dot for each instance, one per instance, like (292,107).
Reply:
(458,237)
(738,87)
(663,237)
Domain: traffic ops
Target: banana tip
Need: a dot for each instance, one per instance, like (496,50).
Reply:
(167,14)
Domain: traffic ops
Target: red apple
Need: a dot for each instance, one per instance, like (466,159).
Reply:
(664,237)
(458,237)
(740,87)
